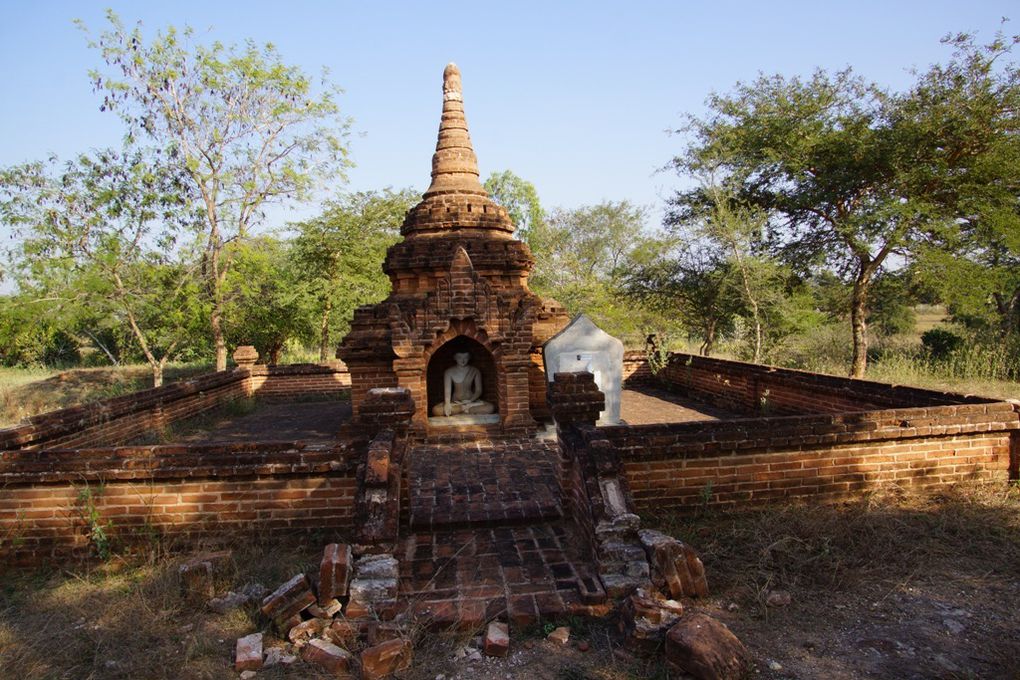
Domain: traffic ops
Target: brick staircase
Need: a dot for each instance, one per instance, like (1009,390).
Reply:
(486,535)
(483,483)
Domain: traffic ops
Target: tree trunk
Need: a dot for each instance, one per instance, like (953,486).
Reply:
(709,344)
(216,322)
(157,373)
(859,326)
(324,332)
(274,354)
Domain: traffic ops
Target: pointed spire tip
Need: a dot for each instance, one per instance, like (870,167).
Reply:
(451,80)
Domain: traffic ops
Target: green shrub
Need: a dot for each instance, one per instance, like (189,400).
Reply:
(940,343)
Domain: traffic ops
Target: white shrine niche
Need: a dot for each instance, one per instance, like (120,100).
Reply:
(583,346)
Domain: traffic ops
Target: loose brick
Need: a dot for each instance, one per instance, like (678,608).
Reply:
(248,653)
(705,648)
(385,659)
(289,599)
(497,639)
(334,572)
(328,656)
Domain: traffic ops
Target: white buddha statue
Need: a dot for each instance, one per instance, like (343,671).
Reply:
(462,387)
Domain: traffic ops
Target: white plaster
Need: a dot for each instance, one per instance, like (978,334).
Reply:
(583,346)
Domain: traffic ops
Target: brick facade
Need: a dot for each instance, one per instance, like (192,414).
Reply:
(183,494)
(765,390)
(815,437)
(457,277)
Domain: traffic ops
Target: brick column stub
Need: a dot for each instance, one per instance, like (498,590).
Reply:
(575,399)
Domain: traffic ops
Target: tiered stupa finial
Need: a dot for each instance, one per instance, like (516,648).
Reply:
(455,200)
(454,164)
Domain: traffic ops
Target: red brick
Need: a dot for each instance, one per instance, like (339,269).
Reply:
(385,659)
(334,572)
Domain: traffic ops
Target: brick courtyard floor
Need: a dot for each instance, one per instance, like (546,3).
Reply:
(650,405)
(466,577)
(281,421)
(483,482)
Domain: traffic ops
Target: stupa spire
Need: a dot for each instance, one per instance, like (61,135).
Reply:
(454,164)
(455,202)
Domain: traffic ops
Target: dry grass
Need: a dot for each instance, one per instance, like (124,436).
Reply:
(26,392)
(127,619)
(881,536)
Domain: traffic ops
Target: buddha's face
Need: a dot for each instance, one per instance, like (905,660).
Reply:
(462,358)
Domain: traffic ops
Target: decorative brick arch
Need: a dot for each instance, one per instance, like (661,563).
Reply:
(490,364)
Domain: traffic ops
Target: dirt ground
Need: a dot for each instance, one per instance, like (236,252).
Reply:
(888,587)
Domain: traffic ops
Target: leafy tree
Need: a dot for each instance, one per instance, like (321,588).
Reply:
(697,284)
(851,174)
(247,130)
(735,231)
(965,115)
(340,251)
(589,251)
(98,238)
(268,303)
(520,198)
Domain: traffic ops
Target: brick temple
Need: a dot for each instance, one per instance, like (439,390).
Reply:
(459,283)
(460,521)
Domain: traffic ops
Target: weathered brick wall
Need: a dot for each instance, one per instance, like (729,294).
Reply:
(636,370)
(181,493)
(299,381)
(765,390)
(116,420)
(677,467)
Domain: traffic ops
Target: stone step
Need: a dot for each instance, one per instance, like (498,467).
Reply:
(464,578)
(495,514)
(483,483)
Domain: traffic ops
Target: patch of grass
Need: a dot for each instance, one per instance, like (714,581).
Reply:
(881,536)
(127,619)
(26,392)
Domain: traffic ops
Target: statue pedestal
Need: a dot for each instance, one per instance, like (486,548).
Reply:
(464,419)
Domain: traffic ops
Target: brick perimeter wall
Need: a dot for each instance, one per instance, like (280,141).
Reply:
(184,493)
(113,421)
(677,467)
(636,370)
(756,389)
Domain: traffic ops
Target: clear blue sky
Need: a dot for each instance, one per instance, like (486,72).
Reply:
(576,97)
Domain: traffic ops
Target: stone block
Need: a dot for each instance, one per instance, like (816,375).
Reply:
(705,648)
(559,636)
(248,653)
(497,639)
(306,630)
(620,585)
(245,356)
(676,566)
(288,600)
(198,575)
(342,632)
(385,659)
(370,591)
(377,468)
(329,657)
(591,590)
(334,573)
(382,566)
(645,617)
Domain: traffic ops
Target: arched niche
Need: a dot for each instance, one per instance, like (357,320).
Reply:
(442,359)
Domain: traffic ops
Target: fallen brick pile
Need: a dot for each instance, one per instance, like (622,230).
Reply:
(339,620)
